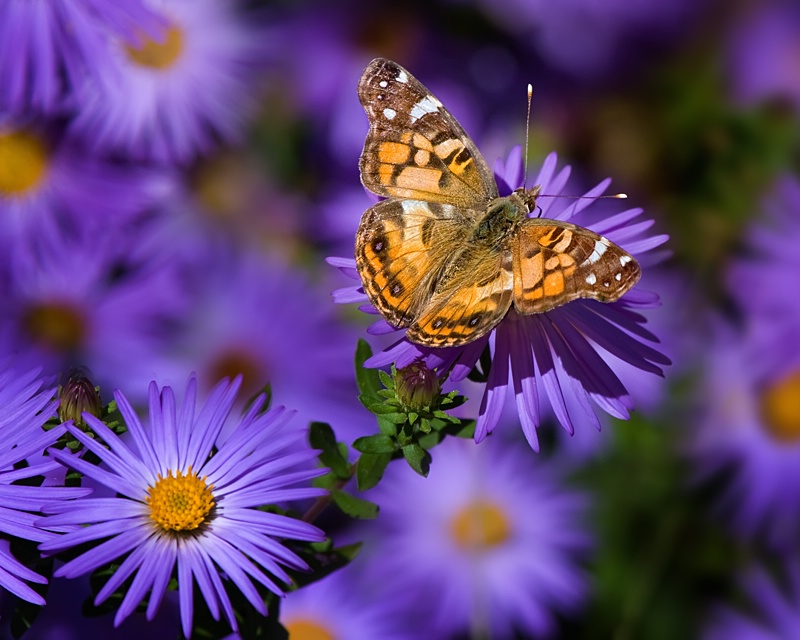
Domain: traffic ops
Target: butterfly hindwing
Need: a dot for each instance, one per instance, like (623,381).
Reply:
(415,148)
(471,298)
(557,262)
(402,248)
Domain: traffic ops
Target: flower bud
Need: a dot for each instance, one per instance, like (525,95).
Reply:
(77,395)
(416,385)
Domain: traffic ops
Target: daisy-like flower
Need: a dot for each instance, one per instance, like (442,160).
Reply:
(172,98)
(490,542)
(751,385)
(47,181)
(265,320)
(46,48)
(341,605)
(762,52)
(183,497)
(560,354)
(777,605)
(26,403)
(92,302)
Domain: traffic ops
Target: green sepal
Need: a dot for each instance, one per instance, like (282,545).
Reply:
(375,444)
(353,506)
(321,436)
(368,380)
(418,459)
(370,469)
(386,379)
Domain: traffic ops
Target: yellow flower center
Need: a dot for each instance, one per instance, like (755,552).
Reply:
(157,55)
(304,629)
(23,162)
(180,502)
(56,325)
(780,408)
(480,526)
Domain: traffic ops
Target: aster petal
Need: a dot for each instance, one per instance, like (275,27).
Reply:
(348,295)
(644,245)
(494,397)
(128,535)
(618,221)
(581,203)
(548,374)
(135,562)
(13,584)
(164,557)
(126,486)
(467,358)
(237,567)
(524,376)
(92,510)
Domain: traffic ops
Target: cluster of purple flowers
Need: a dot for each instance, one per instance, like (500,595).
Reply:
(173,174)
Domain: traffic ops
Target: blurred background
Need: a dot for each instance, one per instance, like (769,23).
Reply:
(173,175)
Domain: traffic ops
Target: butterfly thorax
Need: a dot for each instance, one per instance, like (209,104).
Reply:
(502,217)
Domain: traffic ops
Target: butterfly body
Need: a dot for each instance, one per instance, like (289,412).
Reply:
(444,255)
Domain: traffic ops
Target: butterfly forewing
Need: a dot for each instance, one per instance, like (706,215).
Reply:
(399,256)
(415,148)
(557,262)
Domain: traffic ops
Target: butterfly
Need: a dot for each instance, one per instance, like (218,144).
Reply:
(445,256)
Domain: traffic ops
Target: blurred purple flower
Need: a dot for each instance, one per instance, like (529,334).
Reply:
(751,386)
(183,498)
(256,316)
(173,98)
(586,37)
(762,54)
(490,542)
(94,302)
(47,181)
(341,605)
(562,351)
(26,403)
(777,608)
(47,48)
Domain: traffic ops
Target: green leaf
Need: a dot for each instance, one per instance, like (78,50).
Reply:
(418,459)
(321,436)
(370,469)
(354,507)
(375,444)
(367,380)
(386,379)
(387,428)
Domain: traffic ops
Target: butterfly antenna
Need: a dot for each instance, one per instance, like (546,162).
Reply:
(527,138)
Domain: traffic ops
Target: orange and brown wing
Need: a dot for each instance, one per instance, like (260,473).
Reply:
(415,148)
(471,298)
(556,262)
(402,248)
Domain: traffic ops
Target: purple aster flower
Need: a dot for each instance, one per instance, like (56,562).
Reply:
(759,282)
(47,48)
(179,459)
(752,381)
(777,604)
(47,181)
(751,428)
(586,37)
(341,605)
(489,542)
(173,98)
(560,354)
(26,403)
(256,316)
(762,54)
(94,302)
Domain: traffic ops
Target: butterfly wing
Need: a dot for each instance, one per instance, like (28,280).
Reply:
(556,262)
(415,148)
(402,248)
(471,298)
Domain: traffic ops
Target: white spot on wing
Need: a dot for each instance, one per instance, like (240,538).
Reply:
(618,276)
(623,260)
(591,278)
(389,113)
(428,104)
(597,253)
(402,77)
(383,84)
